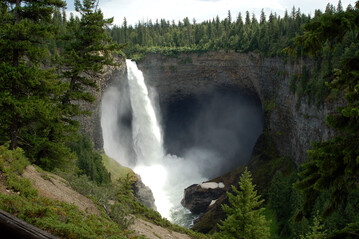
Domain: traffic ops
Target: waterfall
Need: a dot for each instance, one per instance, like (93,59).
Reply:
(146,132)
(166,175)
(147,139)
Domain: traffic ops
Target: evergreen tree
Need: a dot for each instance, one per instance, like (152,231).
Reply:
(89,161)
(334,163)
(29,93)
(244,219)
(90,48)
(262,17)
(247,19)
(316,230)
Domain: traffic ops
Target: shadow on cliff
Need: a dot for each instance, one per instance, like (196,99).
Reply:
(216,130)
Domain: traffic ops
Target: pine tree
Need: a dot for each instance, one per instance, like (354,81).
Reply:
(244,219)
(316,231)
(89,161)
(90,48)
(30,92)
(334,163)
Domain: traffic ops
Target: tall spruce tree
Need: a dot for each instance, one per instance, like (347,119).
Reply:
(30,90)
(90,48)
(244,215)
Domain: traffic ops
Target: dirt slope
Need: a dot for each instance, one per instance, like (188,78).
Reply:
(55,187)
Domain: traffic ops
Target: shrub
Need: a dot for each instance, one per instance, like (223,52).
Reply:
(89,161)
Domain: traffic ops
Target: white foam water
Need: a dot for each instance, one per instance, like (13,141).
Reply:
(166,175)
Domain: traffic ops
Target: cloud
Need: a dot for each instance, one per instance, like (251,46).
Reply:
(201,10)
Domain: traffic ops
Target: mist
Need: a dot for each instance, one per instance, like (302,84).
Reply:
(217,130)
(200,138)
(116,123)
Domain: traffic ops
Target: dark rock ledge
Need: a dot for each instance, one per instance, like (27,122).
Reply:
(198,197)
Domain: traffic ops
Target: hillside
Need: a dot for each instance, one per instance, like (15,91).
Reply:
(48,196)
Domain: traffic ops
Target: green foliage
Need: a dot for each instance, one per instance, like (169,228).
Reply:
(106,196)
(285,202)
(273,225)
(12,164)
(116,170)
(266,37)
(118,201)
(334,163)
(173,69)
(316,231)
(89,161)
(329,179)
(349,232)
(328,38)
(89,48)
(293,83)
(269,105)
(60,219)
(39,100)
(29,93)
(244,215)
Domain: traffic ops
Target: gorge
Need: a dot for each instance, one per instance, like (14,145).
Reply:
(211,133)
(189,83)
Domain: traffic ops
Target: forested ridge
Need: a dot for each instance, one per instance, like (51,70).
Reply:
(48,61)
(271,35)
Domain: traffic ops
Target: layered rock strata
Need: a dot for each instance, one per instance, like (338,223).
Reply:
(292,124)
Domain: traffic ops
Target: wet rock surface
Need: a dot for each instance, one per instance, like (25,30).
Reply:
(198,197)
(144,194)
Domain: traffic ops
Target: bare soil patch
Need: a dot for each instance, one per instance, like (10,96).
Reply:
(54,187)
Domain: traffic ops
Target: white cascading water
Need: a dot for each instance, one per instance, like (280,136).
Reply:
(166,175)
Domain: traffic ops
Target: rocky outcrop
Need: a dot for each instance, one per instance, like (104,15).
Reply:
(91,125)
(291,127)
(199,197)
(144,194)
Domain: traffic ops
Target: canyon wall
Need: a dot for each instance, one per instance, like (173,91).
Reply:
(91,124)
(291,124)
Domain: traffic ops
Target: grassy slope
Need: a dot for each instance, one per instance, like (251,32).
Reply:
(116,170)
(61,219)
(68,221)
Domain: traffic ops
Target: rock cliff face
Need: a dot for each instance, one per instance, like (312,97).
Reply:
(144,194)
(91,125)
(291,127)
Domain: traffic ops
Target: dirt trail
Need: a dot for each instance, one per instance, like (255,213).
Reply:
(54,187)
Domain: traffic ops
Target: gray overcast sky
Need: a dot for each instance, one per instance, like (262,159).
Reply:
(201,10)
